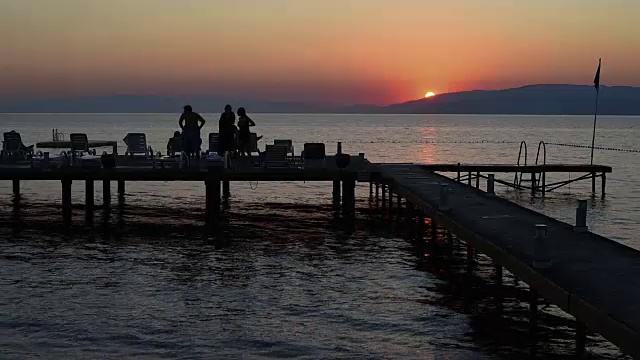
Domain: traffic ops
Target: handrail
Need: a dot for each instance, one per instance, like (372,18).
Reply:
(523,144)
(544,152)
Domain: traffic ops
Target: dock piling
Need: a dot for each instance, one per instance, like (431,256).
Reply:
(212,199)
(478,180)
(226,191)
(106,192)
(604,183)
(66,200)
(533,184)
(121,188)
(336,192)
(88,194)
(491,184)
(370,189)
(384,195)
(581,217)
(16,187)
(581,338)
(593,182)
(348,196)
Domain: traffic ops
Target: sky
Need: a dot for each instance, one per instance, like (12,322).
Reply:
(340,51)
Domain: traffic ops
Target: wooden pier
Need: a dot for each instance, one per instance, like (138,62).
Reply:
(590,277)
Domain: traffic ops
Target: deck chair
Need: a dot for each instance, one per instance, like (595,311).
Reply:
(137,145)
(13,147)
(80,149)
(213,142)
(275,156)
(174,154)
(314,155)
(288,144)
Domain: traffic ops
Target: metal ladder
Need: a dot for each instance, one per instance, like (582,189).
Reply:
(541,176)
(517,178)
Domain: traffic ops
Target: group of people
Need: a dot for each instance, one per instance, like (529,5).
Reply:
(231,137)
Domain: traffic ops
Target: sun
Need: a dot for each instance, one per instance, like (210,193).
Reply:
(429,94)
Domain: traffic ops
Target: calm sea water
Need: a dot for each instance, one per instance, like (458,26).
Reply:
(283,276)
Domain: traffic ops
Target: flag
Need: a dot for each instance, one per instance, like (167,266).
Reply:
(596,80)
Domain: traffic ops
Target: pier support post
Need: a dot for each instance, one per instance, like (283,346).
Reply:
(478,180)
(226,192)
(604,183)
(581,217)
(377,191)
(106,192)
(384,195)
(469,179)
(581,338)
(399,204)
(66,200)
(370,189)
(491,184)
(89,195)
(470,258)
(533,184)
(121,188)
(212,190)
(16,187)
(348,196)
(544,183)
(336,193)
(593,182)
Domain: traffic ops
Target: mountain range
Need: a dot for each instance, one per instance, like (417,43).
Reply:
(555,99)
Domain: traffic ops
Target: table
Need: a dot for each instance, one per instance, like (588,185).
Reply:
(65,144)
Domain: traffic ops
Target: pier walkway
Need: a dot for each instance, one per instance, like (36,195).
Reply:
(595,279)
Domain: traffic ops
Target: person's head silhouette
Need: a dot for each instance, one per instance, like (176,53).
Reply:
(228,108)
(242,112)
(176,134)
(188,108)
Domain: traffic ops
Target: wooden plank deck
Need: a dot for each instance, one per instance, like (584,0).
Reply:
(595,279)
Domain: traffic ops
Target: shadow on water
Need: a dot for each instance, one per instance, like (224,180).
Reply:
(498,315)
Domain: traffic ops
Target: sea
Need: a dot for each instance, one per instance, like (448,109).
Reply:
(283,275)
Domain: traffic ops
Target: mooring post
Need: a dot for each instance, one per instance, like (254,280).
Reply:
(581,217)
(226,192)
(541,258)
(66,200)
(581,338)
(490,184)
(121,188)
(106,192)
(16,187)
(604,183)
(336,192)
(444,198)
(593,182)
(89,195)
(478,180)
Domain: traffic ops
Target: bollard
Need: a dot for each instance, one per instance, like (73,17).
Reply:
(581,217)
(444,198)
(490,184)
(541,259)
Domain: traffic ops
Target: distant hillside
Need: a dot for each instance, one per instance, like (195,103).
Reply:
(532,99)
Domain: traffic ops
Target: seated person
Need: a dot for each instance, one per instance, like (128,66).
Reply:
(174,145)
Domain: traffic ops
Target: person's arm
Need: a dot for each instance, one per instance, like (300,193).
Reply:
(202,122)
(251,123)
(181,122)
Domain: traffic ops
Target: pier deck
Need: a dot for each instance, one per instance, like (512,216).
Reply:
(595,279)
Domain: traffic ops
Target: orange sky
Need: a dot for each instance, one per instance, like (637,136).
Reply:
(373,51)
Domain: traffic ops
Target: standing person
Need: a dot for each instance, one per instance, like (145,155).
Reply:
(244,133)
(226,130)
(191,123)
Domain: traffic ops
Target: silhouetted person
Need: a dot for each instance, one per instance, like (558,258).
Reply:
(226,130)
(244,132)
(173,143)
(191,122)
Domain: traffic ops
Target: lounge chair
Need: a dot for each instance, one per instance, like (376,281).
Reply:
(13,147)
(137,145)
(176,155)
(288,144)
(275,156)
(314,155)
(80,151)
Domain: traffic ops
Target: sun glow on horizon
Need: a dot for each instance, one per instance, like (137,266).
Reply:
(429,94)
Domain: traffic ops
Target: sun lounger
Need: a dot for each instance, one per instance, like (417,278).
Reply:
(80,151)
(314,155)
(275,156)
(13,147)
(137,145)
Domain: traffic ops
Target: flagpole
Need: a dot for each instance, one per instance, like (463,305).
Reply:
(595,115)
